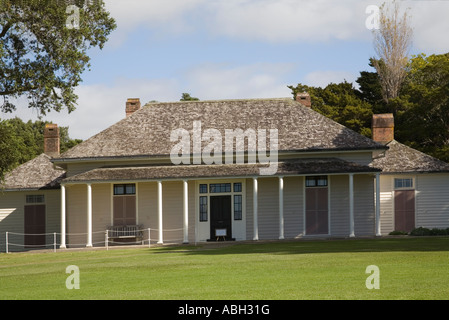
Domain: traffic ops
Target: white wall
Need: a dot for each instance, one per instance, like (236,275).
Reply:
(431,200)
(12,205)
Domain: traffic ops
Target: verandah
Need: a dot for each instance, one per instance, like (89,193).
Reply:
(185,202)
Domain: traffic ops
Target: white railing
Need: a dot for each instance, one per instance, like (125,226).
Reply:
(113,235)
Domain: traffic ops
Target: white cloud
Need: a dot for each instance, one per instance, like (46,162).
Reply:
(277,21)
(100,106)
(166,16)
(430,25)
(287,20)
(221,81)
(265,20)
(132,13)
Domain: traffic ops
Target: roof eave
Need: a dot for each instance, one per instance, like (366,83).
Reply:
(98,181)
(62,161)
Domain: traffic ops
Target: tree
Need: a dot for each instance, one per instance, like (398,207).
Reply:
(187,97)
(23,141)
(423,121)
(341,103)
(370,90)
(392,42)
(9,149)
(43,52)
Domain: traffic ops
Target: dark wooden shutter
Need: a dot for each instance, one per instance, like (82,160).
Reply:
(317,220)
(34,226)
(404,210)
(124,210)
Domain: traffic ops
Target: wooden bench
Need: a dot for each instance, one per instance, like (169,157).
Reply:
(128,232)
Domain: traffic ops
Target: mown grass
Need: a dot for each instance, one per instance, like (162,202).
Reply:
(410,268)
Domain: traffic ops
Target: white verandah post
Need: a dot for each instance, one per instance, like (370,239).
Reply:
(255,213)
(378,232)
(63,218)
(281,208)
(351,205)
(159,210)
(186,210)
(89,215)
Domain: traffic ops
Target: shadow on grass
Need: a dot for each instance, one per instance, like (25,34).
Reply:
(392,244)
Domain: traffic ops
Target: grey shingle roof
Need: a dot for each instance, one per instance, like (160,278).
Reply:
(39,173)
(403,159)
(147,131)
(285,168)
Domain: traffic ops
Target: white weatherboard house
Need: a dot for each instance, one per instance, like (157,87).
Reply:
(329,181)
(414,187)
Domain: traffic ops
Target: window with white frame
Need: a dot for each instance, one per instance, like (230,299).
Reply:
(203,208)
(124,189)
(35,198)
(238,207)
(317,181)
(403,183)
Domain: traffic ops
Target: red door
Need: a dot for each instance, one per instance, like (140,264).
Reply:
(34,226)
(317,219)
(404,210)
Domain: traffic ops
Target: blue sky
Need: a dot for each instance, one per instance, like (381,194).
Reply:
(227,49)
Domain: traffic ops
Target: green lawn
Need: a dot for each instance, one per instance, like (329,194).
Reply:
(410,268)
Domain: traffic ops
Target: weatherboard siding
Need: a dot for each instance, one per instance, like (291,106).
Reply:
(11,218)
(101,212)
(339,205)
(364,205)
(12,206)
(432,201)
(364,212)
(172,210)
(268,208)
(76,215)
(386,204)
(293,207)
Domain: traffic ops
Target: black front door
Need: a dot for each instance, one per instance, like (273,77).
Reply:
(220,218)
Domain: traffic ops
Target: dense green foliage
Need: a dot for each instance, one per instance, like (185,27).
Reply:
(22,141)
(410,268)
(421,110)
(188,97)
(43,50)
(341,103)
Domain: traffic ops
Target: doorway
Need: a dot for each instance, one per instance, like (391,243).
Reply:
(317,217)
(220,218)
(404,210)
(34,226)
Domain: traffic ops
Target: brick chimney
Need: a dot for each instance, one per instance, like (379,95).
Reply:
(132,105)
(51,140)
(383,128)
(304,99)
